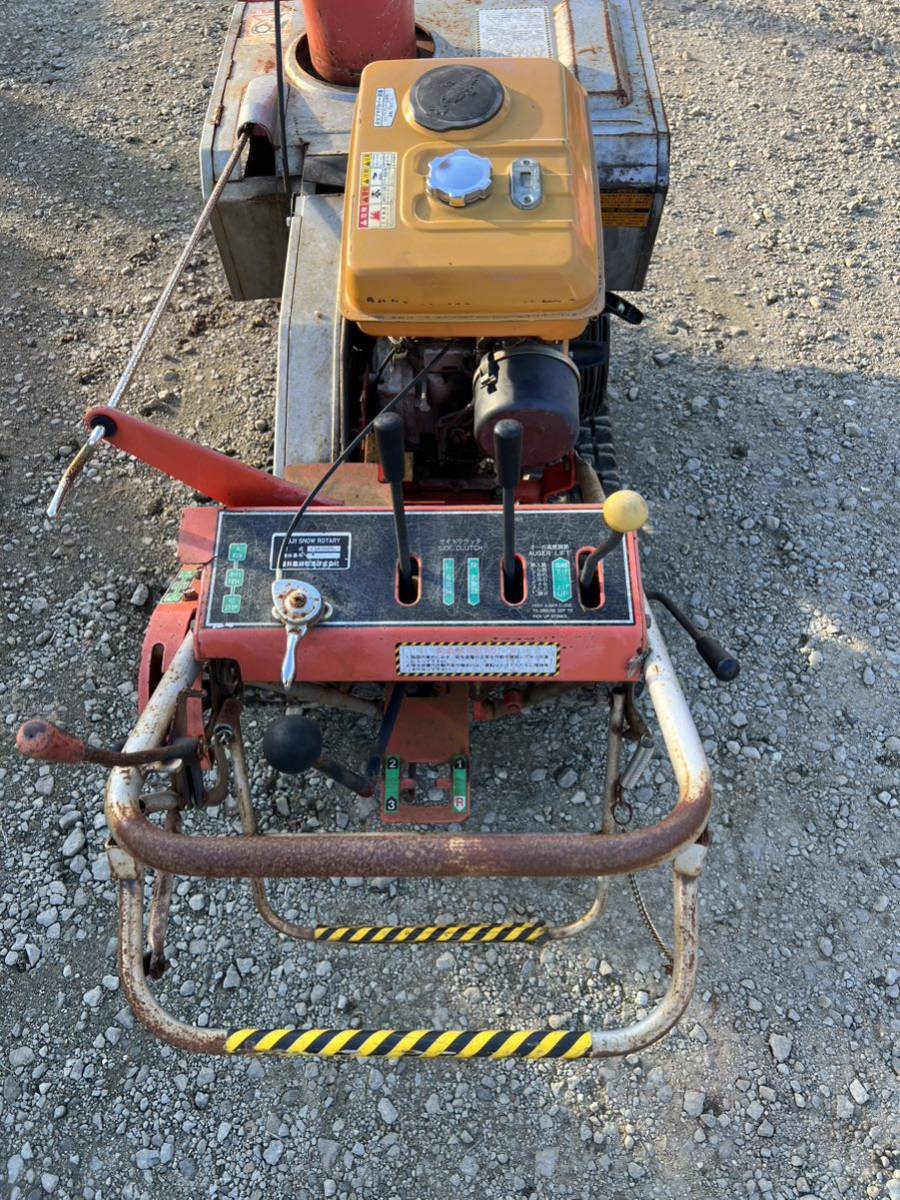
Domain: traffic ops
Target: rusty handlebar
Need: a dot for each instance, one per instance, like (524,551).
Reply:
(415,854)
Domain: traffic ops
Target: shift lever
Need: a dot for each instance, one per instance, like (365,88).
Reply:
(508,463)
(624,512)
(389,432)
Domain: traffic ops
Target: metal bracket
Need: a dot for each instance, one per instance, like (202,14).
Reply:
(691,861)
(121,864)
(526,188)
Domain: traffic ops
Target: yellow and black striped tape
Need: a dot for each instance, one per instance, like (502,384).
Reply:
(379,935)
(420,1043)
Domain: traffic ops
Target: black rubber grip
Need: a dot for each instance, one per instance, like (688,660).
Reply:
(106,422)
(508,452)
(391,442)
(723,665)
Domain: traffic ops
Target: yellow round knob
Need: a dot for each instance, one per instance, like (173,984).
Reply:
(625,511)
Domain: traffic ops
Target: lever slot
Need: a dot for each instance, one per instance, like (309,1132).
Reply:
(409,583)
(508,465)
(590,589)
(514,583)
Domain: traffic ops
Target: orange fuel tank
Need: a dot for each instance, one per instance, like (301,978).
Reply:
(472,206)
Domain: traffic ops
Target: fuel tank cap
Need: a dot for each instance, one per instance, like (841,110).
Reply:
(456,97)
(459,178)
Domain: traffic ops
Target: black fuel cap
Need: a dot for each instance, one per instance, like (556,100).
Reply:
(456,97)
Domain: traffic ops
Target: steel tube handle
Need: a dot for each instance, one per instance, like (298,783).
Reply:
(462,1044)
(418,855)
(42,740)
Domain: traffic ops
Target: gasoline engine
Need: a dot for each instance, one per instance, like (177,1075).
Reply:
(484,196)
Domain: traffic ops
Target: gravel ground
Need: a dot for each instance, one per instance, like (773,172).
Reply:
(757,411)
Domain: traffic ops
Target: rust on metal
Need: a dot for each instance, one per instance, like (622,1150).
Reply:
(604,1042)
(134,981)
(418,855)
(160,904)
(415,855)
(123,800)
(41,739)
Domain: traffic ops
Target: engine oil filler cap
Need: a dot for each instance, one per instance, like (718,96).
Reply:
(456,97)
(459,178)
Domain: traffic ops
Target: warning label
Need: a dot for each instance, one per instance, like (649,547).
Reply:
(259,25)
(378,191)
(313,552)
(503,660)
(514,33)
(626,209)
(385,107)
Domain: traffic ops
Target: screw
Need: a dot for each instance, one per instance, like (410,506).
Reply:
(296,600)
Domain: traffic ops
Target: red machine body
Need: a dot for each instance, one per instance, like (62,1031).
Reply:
(460,628)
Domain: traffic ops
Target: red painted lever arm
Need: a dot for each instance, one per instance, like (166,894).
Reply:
(224,479)
(46,742)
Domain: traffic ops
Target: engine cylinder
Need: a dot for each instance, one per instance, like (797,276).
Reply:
(346,35)
(538,386)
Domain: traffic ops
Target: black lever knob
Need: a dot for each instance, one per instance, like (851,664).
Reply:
(723,665)
(508,453)
(391,445)
(293,744)
(389,432)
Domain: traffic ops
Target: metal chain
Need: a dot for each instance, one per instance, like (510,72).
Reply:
(622,813)
(641,906)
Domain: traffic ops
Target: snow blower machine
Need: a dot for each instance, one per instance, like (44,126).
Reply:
(448,202)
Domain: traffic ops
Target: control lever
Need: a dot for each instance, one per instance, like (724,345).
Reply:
(508,464)
(623,309)
(46,742)
(391,445)
(294,744)
(723,665)
(385,731)
(297,606)
(624,512)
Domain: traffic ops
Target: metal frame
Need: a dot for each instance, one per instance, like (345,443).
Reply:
(418,855)
(171,852)
(603,42)
(307,416)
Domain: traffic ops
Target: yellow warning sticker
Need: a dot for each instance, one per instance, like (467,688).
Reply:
(377,190)
(626,209)
(502,660)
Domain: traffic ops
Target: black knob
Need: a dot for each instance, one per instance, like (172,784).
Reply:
(391,440)
(293,744)
(508,452)
(723,665)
